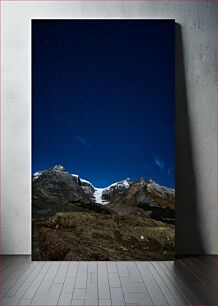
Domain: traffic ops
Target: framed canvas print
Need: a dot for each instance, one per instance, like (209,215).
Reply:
(103,138)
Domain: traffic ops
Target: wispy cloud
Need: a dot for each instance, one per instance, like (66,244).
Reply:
(159,162)
(82,141)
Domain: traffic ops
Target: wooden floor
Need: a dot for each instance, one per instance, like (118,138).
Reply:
(188,281)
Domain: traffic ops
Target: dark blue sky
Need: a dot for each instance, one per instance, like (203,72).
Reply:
(103,98)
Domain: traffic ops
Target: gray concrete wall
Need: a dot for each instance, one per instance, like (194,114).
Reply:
(196,113)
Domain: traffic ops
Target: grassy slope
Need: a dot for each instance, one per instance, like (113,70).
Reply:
(93,236)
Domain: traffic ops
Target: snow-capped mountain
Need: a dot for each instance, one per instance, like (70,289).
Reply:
(36,175)
(56,190)
(99,195)
(88,188)
(104,195)
(116,188)
(146,198)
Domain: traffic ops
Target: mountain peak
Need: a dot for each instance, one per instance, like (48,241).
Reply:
(57,168)
(126,182)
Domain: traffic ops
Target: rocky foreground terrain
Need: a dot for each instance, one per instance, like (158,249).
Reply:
(73,220)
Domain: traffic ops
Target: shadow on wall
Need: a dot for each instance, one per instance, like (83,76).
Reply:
(188,228)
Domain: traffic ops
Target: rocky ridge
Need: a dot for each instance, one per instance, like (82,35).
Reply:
(57,190)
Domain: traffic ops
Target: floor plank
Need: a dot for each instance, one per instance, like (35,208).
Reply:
(155,292)
(170,282)
(186,281)
(179,282)
(168,292)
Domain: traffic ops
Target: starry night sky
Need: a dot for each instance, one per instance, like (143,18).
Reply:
(103,99)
